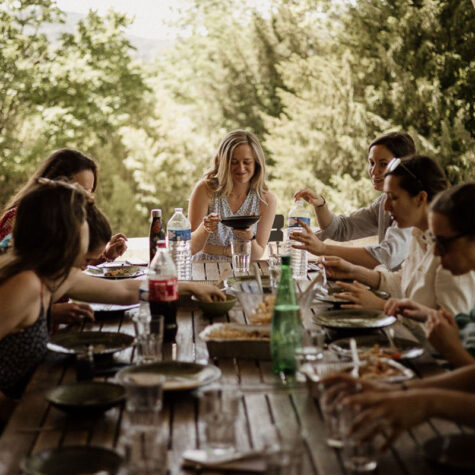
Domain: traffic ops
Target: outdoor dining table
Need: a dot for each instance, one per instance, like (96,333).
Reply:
(35,425)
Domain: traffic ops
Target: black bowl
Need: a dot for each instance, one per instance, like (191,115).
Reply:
(240,222)
(73,460)
(87,398)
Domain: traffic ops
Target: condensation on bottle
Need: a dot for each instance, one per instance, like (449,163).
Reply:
(299,257)
(179,243)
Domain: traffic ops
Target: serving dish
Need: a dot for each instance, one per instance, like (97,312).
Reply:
(102,343)
(217,308)
(234,340)
(240,222)
(179,375)
(353,318)
(86,398)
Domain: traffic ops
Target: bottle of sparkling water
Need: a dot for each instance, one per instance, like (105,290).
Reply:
(286,333)
(299,257)
(179,243)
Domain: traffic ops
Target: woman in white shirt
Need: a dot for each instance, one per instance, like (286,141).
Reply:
(410,185)
(393,241)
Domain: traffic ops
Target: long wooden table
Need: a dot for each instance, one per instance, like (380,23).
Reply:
(35,425)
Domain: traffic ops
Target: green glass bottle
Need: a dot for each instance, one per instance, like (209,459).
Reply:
(286,325)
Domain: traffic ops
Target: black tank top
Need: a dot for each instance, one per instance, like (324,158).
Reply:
(21,353)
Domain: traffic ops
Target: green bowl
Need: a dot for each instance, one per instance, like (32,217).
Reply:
(214,309)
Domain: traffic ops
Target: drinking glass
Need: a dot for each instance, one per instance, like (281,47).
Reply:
(149,339)
(220,409)
(241,255)
(358,455)
(274,271)
(311,350)
(144,450)
(144,394)
(284,449)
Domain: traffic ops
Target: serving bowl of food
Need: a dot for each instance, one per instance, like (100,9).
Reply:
(217,307)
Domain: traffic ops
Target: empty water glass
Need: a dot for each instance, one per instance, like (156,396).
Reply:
(144,450)
(274,271)
(241,255)
(311,350)
(144,394)
(219,409)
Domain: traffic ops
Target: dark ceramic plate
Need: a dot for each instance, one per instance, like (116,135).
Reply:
(454,452)
(103,343)
(404,348)
(86,398)
(73,460)
(179,375)
(240,222)
(353,318)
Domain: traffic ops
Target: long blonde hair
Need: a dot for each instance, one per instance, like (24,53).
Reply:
(218,178)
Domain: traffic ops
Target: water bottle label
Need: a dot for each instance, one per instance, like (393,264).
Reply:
(179,235)
(293,223)
(163,290)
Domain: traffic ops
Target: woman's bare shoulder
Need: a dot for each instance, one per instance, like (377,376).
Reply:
(202,190)
(26,283)
(270,199)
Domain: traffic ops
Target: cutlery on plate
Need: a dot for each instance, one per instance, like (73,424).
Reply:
(355,372)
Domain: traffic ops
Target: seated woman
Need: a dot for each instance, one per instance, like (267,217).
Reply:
(452,223)
(410,186)
(234,186)
(393,241)
(74,166)
(51,237)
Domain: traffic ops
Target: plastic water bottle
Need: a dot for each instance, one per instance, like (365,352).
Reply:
(179,243)
(163,291)
(299,257)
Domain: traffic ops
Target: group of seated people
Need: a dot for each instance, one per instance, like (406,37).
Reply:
(425,256)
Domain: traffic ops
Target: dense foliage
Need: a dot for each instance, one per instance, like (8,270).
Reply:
(316,80)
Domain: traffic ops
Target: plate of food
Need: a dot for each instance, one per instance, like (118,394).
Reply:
(353,318)
(115,270)
(102,343)
(258,308)
(371,346)
(234,340)
(240,222)
(179,375)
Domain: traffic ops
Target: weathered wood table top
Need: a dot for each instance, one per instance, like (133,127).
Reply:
(35,425)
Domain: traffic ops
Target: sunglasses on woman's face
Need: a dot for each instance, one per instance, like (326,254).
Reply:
(395,162)
(442,242)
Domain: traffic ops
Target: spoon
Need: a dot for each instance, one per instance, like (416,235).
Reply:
(355,372)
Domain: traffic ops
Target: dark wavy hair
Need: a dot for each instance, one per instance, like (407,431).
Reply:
(46,233)
(420,173)
(400,144)
(457,204)
(61,164)
(100,231)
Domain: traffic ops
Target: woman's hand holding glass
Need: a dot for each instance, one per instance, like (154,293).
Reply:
(210,222)
(308,241)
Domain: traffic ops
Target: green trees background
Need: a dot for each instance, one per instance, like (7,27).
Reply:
(316,80)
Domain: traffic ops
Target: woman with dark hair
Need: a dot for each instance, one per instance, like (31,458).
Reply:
(393,242)
(76,167)
(235,185)
(449,396)
(410,186)
(51,238)
(452,223)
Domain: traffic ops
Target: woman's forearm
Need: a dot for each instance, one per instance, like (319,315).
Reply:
(366,276)
(324,216)
(356,255)
(462,379)
(456,406)
(198,239)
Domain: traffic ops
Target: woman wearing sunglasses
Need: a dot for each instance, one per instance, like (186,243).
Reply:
(393,242)
(452,224)
(410,185)
(451,395)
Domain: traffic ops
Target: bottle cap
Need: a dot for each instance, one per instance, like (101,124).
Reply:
(161,244)
(156,213)
(286,260)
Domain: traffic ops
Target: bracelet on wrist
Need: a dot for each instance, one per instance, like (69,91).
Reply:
(324,202)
